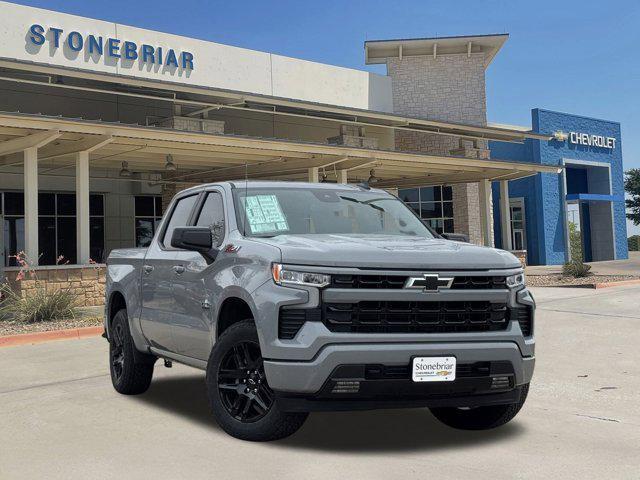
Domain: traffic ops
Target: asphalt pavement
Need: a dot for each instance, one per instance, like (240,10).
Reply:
(60,417)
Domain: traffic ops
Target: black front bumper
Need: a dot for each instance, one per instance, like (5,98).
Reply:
(367,387)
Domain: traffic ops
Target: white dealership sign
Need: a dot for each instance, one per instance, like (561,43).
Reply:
(592,140)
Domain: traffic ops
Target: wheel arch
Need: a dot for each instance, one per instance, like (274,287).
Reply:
(235,306)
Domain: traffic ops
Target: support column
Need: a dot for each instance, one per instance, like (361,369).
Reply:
(484,193)
(343,176)
(82,208)
(314,175)
(31,205)
(505,215)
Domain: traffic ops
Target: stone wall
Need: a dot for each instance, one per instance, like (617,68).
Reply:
(87,283)
(448,88)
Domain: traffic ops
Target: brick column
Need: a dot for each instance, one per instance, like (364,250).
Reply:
(448,88)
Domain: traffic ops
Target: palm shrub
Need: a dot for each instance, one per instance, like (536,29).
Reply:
(576,269)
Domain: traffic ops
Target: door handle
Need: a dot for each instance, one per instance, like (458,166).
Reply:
(178,269)
(147,269)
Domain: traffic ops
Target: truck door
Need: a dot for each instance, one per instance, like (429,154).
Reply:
(158,276)
(195,284)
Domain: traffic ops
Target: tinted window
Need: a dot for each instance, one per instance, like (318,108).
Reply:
(179,217)
(144,206)
(212,216)
(66,240)
(96,238)
(145,229)
(13,203)
(13,238)
(47,240)
(46,204)
(66,204)
(96,205)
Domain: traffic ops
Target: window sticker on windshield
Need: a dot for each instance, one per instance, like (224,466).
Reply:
(264,214)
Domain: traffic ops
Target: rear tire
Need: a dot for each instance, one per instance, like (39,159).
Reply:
(241,400)
(131,371)
(481,418)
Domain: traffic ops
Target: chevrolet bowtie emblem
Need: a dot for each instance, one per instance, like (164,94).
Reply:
(428,282)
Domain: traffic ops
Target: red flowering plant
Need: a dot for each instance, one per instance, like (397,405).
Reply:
(36,303)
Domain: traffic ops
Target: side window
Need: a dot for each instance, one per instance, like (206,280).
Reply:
(179,217)
(212,216)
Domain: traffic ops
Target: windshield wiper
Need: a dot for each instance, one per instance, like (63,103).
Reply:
(349,199)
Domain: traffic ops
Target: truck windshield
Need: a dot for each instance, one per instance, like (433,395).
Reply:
(268,212)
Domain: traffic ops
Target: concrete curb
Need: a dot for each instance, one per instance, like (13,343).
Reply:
(615,284)
(41,337)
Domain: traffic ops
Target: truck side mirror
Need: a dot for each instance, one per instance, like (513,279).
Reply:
(195,239)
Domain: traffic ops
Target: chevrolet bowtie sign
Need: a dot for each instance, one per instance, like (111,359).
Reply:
(428,282)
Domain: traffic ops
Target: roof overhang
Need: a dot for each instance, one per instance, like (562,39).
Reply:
(207,157)
(199,98)
(377,51)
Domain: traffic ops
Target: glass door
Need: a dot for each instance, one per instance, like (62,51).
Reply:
(518,233)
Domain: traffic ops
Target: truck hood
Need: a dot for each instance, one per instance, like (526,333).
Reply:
(389,252)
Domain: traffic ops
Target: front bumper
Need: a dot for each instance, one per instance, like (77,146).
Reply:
(309,377)
(302,366)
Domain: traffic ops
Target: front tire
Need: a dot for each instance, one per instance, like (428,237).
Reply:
(481,418)
(131,371)
(241,400)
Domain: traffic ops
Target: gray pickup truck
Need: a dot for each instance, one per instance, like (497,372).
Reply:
(297,297)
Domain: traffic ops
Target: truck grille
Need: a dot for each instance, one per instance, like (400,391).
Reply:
(524,318)
(393,282)
(418,317)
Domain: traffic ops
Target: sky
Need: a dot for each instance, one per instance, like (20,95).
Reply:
(574,56)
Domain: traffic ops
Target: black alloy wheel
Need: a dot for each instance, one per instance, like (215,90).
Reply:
(241,400)
(242,384)
(131,370)
(116,351)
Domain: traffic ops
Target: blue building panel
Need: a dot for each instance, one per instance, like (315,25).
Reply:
(592,146)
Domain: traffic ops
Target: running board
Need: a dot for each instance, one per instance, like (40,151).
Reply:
(191,362)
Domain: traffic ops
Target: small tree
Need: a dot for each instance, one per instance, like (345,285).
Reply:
(632,187)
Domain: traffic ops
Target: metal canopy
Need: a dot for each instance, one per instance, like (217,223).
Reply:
(206,157)
(200,99)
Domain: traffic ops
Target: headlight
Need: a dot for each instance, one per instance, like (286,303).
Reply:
(516,280)
(284,276)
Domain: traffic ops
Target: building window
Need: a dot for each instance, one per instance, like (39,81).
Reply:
(12,208)
(148,213)
(518,229)
(433,204)
(56,227)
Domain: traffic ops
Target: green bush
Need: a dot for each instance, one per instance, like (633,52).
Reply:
(575,242)
(39,306)
(634,243)
(576,269)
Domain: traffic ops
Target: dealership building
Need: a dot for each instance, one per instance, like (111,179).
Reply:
(102,123)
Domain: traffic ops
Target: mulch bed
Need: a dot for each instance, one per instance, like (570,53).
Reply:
(562,281)
(15,328)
